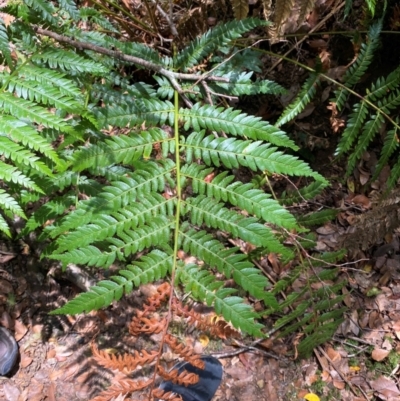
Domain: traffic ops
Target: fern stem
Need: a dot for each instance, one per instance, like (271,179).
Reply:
(270,186)
(178,183)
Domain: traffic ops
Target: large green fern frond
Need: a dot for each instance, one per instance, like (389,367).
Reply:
(131,179)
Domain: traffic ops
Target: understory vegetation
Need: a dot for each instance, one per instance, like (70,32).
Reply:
(116,152)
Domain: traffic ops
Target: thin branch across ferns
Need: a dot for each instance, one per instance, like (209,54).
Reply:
(173,77)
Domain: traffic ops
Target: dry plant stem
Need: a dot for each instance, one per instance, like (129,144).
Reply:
(151,15)
(171,24)
(339,373)
(172,76)
(207,91)
(316,28)
(245,348)
(360,349)
(328,264)
(106,9)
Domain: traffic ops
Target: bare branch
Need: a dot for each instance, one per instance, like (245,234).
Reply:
(167,17)
(173,77)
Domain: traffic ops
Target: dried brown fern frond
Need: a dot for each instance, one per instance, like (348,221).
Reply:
(124,387)
(267,8)
(157,393)
(283,8)
(184,351)
(287,16)
(305,7)
(184,378)
(371,227)
(219,328)
(124,363)
(240,8)
(194,21)
(144,325)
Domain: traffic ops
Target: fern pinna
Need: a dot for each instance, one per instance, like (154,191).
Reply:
(137,180)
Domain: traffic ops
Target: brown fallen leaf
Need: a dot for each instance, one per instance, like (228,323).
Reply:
(20,330)
(25,360)
(333,354)
(339,384)
(362,201)
(379,354)
(385,387)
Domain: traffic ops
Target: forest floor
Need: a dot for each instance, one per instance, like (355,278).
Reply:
(362,360)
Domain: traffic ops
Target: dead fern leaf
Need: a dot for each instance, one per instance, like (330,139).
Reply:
(184,378)
(283,8)
(167,396)
(305,7)
(144,325)
(267,8)
(219,328)
(125,362)
(185,352)
(371,227)
(240,8)
(122,387)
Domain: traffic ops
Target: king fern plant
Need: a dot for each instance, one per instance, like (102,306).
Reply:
(136,174)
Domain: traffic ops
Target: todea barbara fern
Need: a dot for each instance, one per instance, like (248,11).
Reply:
(136,177)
